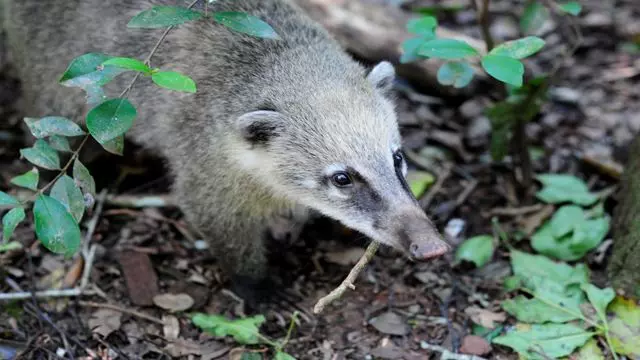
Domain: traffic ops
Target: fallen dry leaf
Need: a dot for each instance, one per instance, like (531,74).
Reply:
(105,321)
(183,347)
(140,277)
(173,302)
(475,345)
(345,257)
(74,273)
(485,317)
(390,323)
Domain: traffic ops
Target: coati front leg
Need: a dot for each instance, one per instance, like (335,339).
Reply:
(234,227)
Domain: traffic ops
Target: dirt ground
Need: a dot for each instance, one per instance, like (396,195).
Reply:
(593,113)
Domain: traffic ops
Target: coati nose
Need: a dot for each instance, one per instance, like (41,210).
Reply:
(429,249)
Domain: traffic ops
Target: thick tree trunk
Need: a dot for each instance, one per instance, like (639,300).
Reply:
(624,265)
(374,31)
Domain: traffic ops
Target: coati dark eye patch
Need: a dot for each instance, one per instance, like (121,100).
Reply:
(398,158)
(341,179)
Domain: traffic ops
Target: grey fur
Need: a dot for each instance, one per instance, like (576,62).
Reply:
(331,113)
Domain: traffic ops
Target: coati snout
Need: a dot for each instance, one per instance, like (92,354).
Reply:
(338,152)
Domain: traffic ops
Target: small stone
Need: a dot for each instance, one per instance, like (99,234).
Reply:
(390,323)
(471,109)
(596,19)
(565,95)
(478,131)
(475,345)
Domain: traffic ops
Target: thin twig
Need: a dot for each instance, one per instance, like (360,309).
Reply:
(122,310)
(141,201)
(426,200)
(348,281)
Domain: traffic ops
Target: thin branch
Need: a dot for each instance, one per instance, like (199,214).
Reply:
(348,281)
(122,310)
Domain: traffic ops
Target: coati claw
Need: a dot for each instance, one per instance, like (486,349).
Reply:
(261,294)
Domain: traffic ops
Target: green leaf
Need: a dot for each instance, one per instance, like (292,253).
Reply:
(569,235)
(115,145)
(10,246)
(600,299)
(163,16)
(43,155)
(419,181)
(456,73)
(590,351)
(59,143)
(53,125)
(10,221)
(423,26)
(129,64)
(555,288)
(560,188)
(174,81)
(281,355)
(534,17)
(83,177)
(245,331)
(410,49)
(69,195)
(503,68)
(7,200)
(250,355)
(478,249)
(624,327)
(544,341)
(245,23)
(55,227)
(27,180)
(572,7)
(520,48)
(449,49)
(110,119)
(83,65)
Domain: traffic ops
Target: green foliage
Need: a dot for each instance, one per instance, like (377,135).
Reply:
(59,143)
(519,49)
(53,125)
(87,72)
(27,180)
(115,145)
(7,200)
(129,64)
(448,49)
(55,227)
(569,235)
(545,341)
(478,250)
(10,221)
(503,68)
(410,49)
(163,16)
(245,331)
(571,7)
(283,356)
(10,246)
(83,178)
(42,155)
(246,23)
(534,17)
(624,328)
(68,194)
(174,81)
(419,181)
(560,188)
(455,73)
(423,26)
(110,119)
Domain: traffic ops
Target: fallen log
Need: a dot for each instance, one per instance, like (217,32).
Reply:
(374,31)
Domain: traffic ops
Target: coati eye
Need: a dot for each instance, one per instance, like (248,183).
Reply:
(397,158)
(341,179)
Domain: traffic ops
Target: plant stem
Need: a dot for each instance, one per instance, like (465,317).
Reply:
(284,342)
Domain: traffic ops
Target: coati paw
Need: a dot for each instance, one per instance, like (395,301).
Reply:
(262,294)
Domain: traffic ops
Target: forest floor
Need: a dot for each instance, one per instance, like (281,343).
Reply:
(399,308)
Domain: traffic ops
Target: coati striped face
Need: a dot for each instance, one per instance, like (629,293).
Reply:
(334,146)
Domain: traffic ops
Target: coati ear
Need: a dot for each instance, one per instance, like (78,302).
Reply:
(382,76)
(259,127)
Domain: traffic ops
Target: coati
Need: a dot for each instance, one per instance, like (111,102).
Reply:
(274,124)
